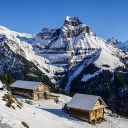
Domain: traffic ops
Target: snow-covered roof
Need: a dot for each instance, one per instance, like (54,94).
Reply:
(52,94)
(25,84)
(84,102)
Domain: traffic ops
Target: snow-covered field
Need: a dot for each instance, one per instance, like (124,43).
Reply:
(47,114)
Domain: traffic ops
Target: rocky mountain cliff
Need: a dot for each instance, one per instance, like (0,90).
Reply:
(11,62)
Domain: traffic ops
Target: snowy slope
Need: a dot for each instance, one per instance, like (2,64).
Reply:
(19,43)
(119,44)
(107,58)
(123,46)
(47,114)
(88,76)
(1,85)
(114,41)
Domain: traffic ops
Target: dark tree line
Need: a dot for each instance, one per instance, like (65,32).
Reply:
(7,80)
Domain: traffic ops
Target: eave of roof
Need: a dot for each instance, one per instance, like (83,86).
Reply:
(98,107)
(54,95)
(79,108)
(96,101)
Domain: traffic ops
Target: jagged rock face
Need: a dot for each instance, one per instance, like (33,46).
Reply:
(59,41)
(49,33)
(15,64)
(73,21)
(8,62)
(114,41)
(73,27)
(68,45)
(18,49)
(71,33)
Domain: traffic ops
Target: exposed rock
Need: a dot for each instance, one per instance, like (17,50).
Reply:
(113,41)
(73,21)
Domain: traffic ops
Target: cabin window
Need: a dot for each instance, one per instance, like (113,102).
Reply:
(41,95)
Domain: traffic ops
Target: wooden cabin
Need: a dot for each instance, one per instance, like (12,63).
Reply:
(86,107)
(30,89)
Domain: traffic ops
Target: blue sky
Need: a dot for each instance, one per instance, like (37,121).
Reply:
(107,18)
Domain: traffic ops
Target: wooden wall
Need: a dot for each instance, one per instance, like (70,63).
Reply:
(41,88)
(35,97)
(79,114)
(100,112)
(96,114)
(92,115)
(41,95)
(23,92)
(98,102)
(84,115)
(30,91)
(39,92)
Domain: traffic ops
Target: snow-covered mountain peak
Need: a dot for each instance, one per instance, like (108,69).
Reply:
(126,41)
(75,18)
(73,22)
(114,41)
(3,28)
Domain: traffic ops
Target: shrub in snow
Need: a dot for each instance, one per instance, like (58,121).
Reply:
(11,101)
(25,125)
(18,106)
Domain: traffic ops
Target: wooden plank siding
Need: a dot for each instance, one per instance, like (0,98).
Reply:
(100,113)
(96,114)
(22,91)
(41,96)
(41,88)
(39,91)
(98,102)
(92,115)
(84,115)
(79,114)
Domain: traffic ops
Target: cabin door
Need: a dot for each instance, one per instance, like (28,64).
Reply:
(45,95)
(40,96)
(96,114)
